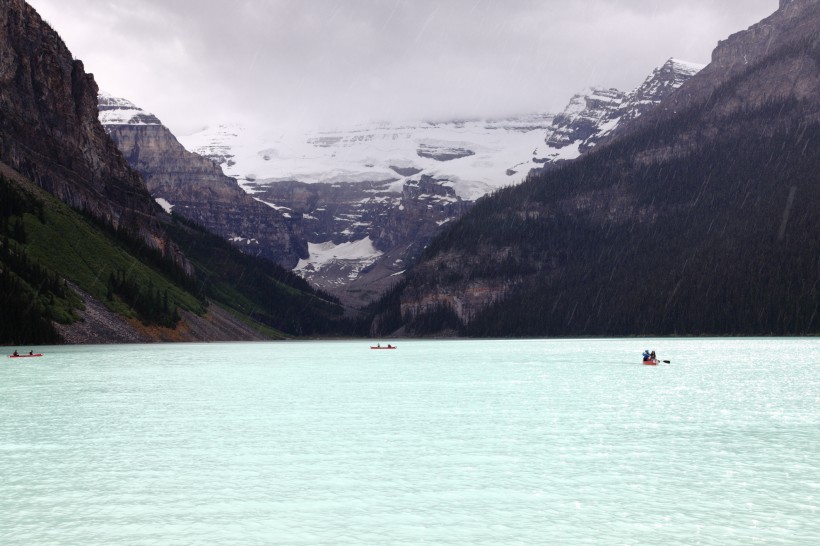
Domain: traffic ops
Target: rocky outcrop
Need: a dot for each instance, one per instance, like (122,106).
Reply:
(442,152)
(195,188)
(584,116)
(597,114)
(398,226)
(466,297)
(49,129)
(663,81)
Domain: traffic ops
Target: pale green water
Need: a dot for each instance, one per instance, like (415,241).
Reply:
(437,442)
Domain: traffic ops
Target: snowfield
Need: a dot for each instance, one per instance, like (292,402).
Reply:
(475,156)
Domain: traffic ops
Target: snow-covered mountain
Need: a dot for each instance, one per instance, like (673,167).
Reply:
(475,156)
(115,111)
(370,197)
(196,188)
(597,113)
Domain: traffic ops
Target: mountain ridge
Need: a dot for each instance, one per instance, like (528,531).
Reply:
(196,188)
(49,129)
(686,223)
(387,188)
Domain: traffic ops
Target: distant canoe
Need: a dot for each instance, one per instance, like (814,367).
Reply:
(25,356)
(380,347)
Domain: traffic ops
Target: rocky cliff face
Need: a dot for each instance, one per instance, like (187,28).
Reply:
(772,61)
(583,118)
(597,114)
(196,188)
(49,129)
(364,233)
(792,29)
(663,81)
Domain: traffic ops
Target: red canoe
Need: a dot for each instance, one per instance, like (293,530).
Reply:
(651,362)
(380,347)
(25,356)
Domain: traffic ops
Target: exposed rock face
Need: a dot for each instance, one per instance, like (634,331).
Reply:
(336,216)
(658,86)
(584,116)
(466,297)
(769,62)
(596,114)
(197,189)
(49,129)
(795,25)
(443,152)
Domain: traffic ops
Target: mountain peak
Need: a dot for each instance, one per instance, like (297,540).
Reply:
(684,67)
(598,112)
(119,111)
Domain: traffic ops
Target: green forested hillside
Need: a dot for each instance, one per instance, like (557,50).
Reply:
(44,243)
(31,295)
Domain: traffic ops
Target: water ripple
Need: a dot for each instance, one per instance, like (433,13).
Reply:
(447,442)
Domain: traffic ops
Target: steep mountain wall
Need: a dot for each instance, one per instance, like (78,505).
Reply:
(772,49)
(197,189)
(597,115)
(49,129)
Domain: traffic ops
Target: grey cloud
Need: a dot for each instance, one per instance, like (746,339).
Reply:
(281,62)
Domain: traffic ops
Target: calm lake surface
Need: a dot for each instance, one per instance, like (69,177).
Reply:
(437,442)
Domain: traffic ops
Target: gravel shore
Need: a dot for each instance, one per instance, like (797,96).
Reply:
(99,325)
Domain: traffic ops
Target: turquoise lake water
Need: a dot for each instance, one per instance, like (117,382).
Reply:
(437,442)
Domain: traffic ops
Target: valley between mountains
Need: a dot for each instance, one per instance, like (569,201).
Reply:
(350,210)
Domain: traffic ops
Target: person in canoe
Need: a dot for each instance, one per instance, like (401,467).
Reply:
(652,356)
(15,353)
(646,355)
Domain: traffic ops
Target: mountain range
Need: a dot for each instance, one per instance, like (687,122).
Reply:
(198,189)
(87,254)
(685,207)
(368,199)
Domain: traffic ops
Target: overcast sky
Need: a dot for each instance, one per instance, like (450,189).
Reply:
(329,62)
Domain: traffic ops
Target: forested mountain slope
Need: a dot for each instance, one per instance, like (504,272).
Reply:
(68,277)
(702,220)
